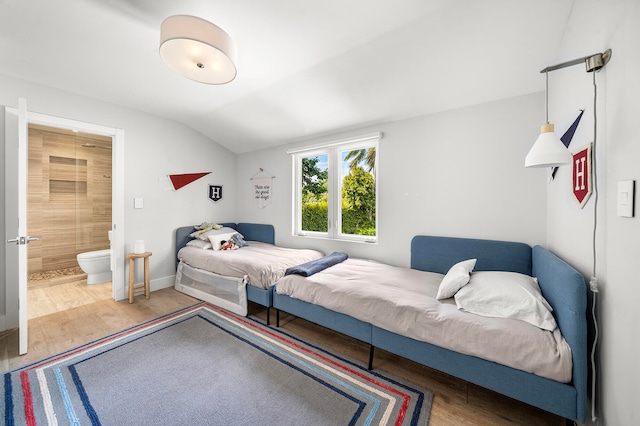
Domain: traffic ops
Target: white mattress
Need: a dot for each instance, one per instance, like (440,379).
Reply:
(259,264)
(403,301)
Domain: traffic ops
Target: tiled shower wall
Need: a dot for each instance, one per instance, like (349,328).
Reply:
(69,196)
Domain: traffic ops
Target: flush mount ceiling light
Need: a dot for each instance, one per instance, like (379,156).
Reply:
(548,150)
(198,49)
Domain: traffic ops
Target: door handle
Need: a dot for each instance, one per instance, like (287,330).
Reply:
(22,240)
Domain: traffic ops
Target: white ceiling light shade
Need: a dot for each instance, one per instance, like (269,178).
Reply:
(548,150)
(198,49)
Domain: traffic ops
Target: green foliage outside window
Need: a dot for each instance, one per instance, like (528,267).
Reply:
(314,180)
(358,195)
(359,198)
(315,217)
(354,223)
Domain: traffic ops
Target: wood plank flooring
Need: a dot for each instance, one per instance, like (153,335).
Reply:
(56,297)
(456,402)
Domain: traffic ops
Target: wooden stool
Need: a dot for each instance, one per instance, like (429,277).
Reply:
(141,288)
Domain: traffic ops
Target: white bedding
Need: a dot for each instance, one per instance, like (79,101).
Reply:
(403,301)
(259,264)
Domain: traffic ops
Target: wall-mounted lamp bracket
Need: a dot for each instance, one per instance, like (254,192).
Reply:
(592,62)
(549,150)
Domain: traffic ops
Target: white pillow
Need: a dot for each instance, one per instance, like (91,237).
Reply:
(216,240)
(506,295)
(457,277)
(205,235)
(205,245)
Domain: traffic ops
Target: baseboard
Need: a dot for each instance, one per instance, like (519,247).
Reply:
(161,283)
(10,322)
(157,284)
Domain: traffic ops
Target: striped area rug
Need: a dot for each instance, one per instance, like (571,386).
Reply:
(205,366)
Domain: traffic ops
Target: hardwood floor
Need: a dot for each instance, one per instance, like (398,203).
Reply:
(48,298)
(456,402)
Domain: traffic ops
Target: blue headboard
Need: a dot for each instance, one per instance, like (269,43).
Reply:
(250,231)
(438,254)
(257,232)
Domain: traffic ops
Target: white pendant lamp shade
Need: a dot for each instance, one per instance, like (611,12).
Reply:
(198,49)
(548,151)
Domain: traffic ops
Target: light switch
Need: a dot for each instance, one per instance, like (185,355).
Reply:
(626,190)
(138,203)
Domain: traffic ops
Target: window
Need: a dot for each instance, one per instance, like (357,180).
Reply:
(335,191)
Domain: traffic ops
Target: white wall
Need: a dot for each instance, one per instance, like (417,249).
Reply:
(617,238)
(3,300)
(154,148)
(456,173)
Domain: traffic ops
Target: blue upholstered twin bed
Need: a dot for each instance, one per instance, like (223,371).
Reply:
(561,285)
(229,278)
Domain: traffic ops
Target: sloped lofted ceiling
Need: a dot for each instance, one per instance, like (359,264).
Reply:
(305,68)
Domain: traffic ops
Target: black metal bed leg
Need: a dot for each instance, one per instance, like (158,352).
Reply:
(268,312)
(277,317)
(371,348)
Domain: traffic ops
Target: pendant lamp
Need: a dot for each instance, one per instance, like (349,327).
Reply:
(198,49)
(548,150)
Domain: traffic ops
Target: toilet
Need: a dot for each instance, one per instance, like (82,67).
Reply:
(97,265)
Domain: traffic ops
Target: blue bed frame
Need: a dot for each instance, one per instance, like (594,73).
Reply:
(251,232)
(562,286)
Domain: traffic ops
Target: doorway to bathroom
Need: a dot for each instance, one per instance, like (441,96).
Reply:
(69,208)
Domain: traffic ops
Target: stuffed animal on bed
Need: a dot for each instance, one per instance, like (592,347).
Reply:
(235,242)
(228,245)
(206,226)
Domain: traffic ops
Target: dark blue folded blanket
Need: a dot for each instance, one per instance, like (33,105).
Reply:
(310,268)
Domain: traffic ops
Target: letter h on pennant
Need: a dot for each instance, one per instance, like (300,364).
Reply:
(581,182)
(215,193)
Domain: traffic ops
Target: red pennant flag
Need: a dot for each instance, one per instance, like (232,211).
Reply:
(581,181)
(178,181)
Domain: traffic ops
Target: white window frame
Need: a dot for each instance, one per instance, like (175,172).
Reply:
(332,150)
